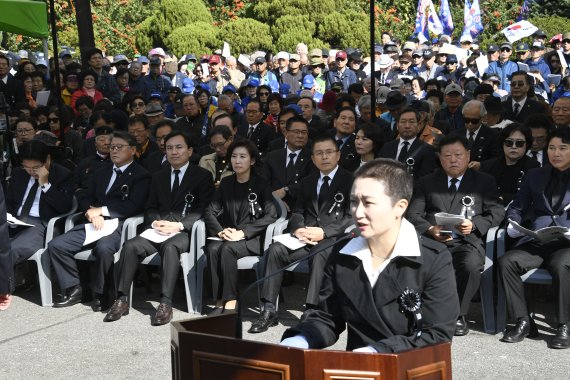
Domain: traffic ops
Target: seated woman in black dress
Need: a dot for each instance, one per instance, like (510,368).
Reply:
(238,216)
(510,168)
(390,288)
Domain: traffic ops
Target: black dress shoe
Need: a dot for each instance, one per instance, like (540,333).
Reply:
(524,328)
(163,314)
(118,309)
(266,320)
(73,298)
(461,327)
(562,338)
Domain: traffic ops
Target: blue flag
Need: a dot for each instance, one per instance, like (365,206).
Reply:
(525,9)
(472,16)
(445,17)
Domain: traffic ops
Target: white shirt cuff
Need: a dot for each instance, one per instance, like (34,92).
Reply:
(46,187)
(105,211)
(366,350)
(297,341)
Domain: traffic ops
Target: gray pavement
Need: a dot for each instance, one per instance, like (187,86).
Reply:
(47,343)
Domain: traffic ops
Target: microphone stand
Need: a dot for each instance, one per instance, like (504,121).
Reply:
(312,252)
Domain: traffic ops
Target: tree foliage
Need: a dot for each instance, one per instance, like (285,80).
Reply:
(246,35)
(198,38)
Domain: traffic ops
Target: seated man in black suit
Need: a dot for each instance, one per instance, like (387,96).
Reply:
(540,126)
(343,132)
(119,189)
(320,213)
(285,168)
(38,191)
(280,142)
(156,160)
(546,192)
(450,190)
(254,129)
(178,196)
(308,108)
(483,141)
(418,156)
(87,166)
(518,106)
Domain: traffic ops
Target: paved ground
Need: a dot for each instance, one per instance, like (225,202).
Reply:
(70,343)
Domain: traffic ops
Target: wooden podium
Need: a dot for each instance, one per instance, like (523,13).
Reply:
(206,349)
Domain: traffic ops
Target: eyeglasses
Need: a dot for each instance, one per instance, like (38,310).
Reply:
(34,168)
(264,93)
(509,143)
(468,120)
(322,153)
(22,132)
(138,104)
(506,49)
(54,119)
(518,84)
(117,147)
(219,145)
(252,111)
(298,132)
(450,63)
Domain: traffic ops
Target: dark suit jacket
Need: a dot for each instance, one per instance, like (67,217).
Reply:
(349,159)
(56,201)
(261,136)
(125,198)
(150,149)
(13,90)
(85,169)
(275,170)
(7,281)
(530,107)
(306,212)
(316,126)
(486,145)
(532,197)
(225,210)
(422,153)
(276,144)
(197,185)
(153,162)
(431,196)
(372,314)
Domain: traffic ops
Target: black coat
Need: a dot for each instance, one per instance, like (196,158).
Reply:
(485,146)
(530,107)
(372,315)
(431,196)
(13,90)
(56,201)
(307,213)
(196,187)
(261,136)
(7,281)
(423,155)
(85,169)
(125,198)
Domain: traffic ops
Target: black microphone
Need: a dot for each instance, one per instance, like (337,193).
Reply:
(312,252)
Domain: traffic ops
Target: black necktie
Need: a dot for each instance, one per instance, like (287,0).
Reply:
(471,139)
(29,202)
(250,131)
(176,184)
(339,143)
(453,185)
(118,172)
(324,190)
(534,155)
(291,166)
(516,109)
(404,151)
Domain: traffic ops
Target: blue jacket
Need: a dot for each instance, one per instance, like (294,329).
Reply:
(268,79)
(504,71)
(159,84)
(347,78)
(544,69)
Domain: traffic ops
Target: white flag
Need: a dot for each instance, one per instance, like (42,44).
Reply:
(519,30)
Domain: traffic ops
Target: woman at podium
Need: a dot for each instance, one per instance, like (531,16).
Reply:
(391,289)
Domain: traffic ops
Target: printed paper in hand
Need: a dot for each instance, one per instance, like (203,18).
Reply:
(289,241)
(17,222)
(153,235)
(92,235)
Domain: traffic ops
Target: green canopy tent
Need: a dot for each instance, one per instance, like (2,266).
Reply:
(27,17)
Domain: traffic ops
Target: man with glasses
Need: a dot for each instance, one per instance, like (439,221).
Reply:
(263,75)
(341,74)
(566,47)
(216,163)
(518,107)
(321,212)
(192,121)
(139,127)
(483,141)
(449,71)
(503,68)
(447,191)
(118,190)
(451,112)
(285,168)
(493,53)
(536,62)
(281,141)
(178,196)
(522,51)
(254,129)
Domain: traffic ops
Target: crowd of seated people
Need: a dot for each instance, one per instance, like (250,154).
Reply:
(140,138)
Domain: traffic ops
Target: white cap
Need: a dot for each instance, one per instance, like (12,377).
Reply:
(23,54)
(283,55)
(244,60)
(466,38)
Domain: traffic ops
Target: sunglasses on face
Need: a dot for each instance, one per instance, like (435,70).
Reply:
(518,84)
(264,94)
(509,143)
(53,119)
(506,49)
(468,120)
